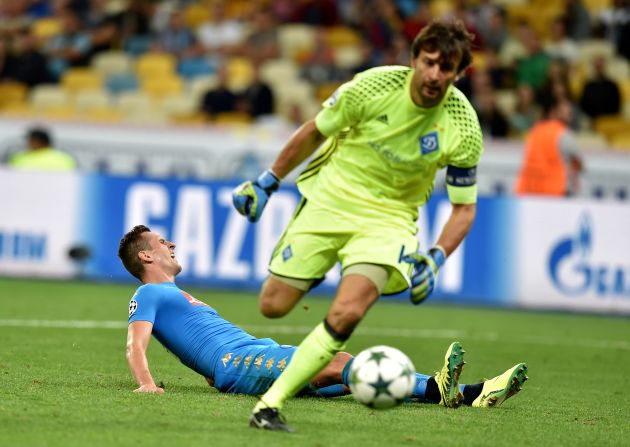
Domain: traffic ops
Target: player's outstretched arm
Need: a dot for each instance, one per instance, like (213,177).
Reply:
(426,265)
(138,337)
(250,197)
(457,227)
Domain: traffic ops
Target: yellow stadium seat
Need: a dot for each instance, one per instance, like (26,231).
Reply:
(180,105)
(348,56)
(132,102)
(78,79)
(594,7)
(240,73)
(608,126)
(160,87)
(621,141)
(12,93)
(103,115)
(237,118)
(155,64)
(17,110)
(45,96)
(590,48)
(46,28)
(195,14)
(294,39)
(624,86)
(279,71)
(341,36)
(91,99)
(325,90)
(60,113)
(112,62)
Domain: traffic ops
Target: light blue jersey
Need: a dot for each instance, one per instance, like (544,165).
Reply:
(205,342)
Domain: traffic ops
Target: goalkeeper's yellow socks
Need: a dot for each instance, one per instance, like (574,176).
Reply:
(312,355)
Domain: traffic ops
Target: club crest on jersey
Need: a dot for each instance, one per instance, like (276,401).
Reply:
(287,253)
(133,306)
(429,143)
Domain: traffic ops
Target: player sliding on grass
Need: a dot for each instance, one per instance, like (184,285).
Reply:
(234,361)
(383,136)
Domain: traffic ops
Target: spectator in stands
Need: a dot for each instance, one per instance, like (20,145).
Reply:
(551,163)
(557,85)
(616,23)
(600,95)
(27,64)
(178,39)
(493,27)
(578,20)
(493,122)
(316,12)
(72,47)
(525,112)
(416,21)
(103,26)
(220,34)
(258,97)
(40,155)
(560,45)
(319,66)
(532,69)
(219,99)
(262,42)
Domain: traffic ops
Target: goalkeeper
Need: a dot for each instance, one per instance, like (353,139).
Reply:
(229,358)
(382,137)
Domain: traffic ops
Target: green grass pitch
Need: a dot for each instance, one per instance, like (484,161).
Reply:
(64,385)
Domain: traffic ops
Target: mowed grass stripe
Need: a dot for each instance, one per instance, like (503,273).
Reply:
(447,334)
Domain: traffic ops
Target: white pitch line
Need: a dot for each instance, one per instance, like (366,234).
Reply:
(448,334)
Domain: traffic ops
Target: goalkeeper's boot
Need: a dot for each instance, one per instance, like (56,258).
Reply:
(269,419)
(447,378)
(496,391)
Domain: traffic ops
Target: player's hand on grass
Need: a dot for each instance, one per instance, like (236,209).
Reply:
(250,198)
(424,274)
(149,388)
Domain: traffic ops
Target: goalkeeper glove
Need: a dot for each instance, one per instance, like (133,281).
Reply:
(250,198)
(424,274)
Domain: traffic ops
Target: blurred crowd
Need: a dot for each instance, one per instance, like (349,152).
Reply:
(524,52)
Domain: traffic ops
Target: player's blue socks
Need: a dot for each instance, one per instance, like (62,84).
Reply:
(419,392)
(332,391)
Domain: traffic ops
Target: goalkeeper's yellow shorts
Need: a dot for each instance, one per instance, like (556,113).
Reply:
(317,238)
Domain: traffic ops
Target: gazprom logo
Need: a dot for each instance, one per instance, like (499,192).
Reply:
(573,273)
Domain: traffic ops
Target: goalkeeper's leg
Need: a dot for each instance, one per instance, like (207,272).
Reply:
(355,295)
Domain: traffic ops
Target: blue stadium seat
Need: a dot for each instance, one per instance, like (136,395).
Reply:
(191,68)
(119,83)
(137,45)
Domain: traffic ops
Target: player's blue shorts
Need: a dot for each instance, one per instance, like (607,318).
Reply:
(252,369)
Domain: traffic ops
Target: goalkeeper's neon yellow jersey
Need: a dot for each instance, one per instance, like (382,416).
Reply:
(382,152)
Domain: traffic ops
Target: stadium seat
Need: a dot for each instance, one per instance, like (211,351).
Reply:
(618,69)
(155,64)
(60,113)
(348,56)
(119,83)
(17,110)
(45,96)
(137,45)
(609,126)
(341,36)
(232,118)
(294,39)
(12,93)
(134,102)
(179,106)
(590,141)
(199,86)
(240,73)
(159,87)
(621,140)
(191,68)
(279,71)
(77,79)
(46,28)
(595,7)
(87,100)
(102,115)
(506,101)
(195,14)
(624,86)
(112,63)
(590,48)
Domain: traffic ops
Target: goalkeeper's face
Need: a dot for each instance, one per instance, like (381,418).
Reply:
(433,74)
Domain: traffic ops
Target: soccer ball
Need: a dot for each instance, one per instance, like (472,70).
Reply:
(382,377)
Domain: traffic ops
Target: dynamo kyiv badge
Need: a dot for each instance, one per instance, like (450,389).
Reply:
(429,143)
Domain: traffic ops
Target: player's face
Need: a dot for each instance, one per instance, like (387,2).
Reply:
(432,77)
(163,253)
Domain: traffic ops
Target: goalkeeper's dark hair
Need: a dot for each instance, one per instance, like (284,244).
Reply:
(130,244)
(449,37)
